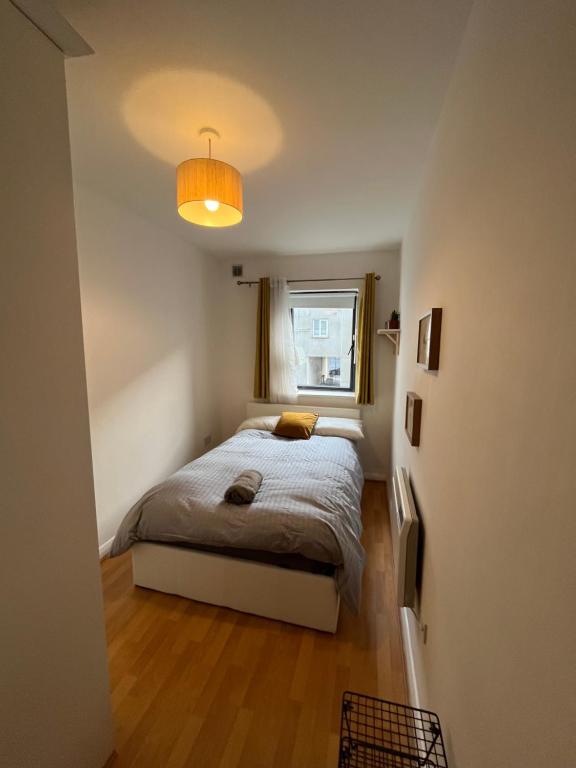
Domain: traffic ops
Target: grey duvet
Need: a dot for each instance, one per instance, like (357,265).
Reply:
(308,503)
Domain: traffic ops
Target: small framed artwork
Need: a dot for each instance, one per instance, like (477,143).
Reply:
(429,328)
(413,417)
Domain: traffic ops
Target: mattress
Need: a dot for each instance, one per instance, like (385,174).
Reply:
(292,562)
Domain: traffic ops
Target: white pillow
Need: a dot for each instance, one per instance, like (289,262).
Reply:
(328,426)
(260,422)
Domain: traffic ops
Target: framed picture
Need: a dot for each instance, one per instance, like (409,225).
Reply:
(429,328)
(412,417)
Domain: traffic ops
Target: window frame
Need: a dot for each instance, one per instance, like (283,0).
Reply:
(352,388)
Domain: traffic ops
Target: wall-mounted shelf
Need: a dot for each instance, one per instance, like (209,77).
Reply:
(393,335)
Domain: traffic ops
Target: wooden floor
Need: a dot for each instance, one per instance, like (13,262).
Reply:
(196,685)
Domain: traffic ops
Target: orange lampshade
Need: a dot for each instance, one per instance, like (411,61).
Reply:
(209,192)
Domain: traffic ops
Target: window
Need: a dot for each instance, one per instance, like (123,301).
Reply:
(320,328)
(324,325)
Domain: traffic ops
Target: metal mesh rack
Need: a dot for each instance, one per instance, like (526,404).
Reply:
(383,734)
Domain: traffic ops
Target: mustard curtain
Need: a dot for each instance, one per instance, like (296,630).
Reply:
(365,343)
(262,365)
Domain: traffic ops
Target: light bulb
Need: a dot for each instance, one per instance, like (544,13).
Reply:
(212,205)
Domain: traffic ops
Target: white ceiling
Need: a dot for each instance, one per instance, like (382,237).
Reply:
(327,108)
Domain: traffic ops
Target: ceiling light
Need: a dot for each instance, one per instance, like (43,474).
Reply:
(209,192)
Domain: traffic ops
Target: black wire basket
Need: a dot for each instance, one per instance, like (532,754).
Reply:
(383,734)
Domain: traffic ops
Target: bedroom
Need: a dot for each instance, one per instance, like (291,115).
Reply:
(432,145)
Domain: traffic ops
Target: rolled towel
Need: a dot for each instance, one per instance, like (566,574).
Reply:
(244,487)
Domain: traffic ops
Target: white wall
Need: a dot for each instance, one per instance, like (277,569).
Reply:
(147,335)
(237,307)
(492,243)
(54,698)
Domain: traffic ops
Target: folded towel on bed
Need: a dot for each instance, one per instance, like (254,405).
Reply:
(244,488)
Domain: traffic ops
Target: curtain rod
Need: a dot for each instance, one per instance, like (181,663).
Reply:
(309,280)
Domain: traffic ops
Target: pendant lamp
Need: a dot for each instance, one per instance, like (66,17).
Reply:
(208,191)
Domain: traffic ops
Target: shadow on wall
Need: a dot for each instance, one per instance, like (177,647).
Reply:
(130,332)
(147,338)
(142,433)
(144,296)
(164,405)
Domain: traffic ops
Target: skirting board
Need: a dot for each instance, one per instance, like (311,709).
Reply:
(411,640)
(412,657)
(104,549)
(377,477)
(297,597)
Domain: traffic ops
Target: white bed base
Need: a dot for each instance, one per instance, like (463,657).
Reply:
(297,597)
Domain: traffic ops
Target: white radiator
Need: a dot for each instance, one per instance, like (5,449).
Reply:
(405,527)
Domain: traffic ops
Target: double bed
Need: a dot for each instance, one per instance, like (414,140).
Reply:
(290,555)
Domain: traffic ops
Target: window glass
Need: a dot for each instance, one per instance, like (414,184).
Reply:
(324,328)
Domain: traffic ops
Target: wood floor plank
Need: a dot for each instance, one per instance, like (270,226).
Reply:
(198,685)
(237,739)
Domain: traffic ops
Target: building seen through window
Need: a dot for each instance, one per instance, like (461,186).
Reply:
(324,333)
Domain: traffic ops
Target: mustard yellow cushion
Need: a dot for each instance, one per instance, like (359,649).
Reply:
(297,425)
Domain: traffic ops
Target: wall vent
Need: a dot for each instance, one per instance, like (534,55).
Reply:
(237,270)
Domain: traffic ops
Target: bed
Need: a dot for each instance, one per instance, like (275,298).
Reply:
(291,555)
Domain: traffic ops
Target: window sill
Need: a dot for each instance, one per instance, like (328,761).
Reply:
(308,393)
